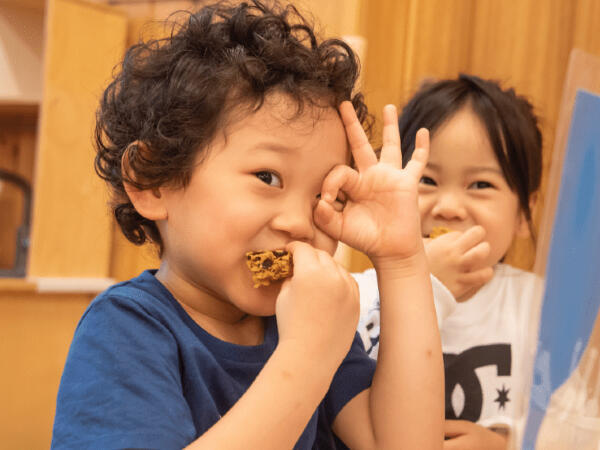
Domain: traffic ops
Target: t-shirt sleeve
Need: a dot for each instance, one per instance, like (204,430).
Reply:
(354,375)
(121,386)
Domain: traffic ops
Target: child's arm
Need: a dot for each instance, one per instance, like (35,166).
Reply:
(276,408)
(404,408)
(456,259)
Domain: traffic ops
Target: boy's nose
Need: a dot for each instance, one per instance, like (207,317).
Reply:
(449,206)
(296,219)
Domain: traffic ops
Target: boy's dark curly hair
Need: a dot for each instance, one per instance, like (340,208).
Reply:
(510,121)
(170,96)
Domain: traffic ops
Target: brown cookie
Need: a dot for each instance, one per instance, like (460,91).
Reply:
(269,265)
(438,231)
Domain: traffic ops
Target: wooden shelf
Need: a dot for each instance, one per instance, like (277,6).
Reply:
(30,4)
(21,50)
(17,285)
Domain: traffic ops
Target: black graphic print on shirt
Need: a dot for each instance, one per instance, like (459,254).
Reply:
(460,371)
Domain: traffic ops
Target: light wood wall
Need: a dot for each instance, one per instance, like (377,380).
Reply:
(522,43)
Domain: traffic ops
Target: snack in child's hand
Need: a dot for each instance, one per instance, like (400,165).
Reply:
(438,231)
(267,266)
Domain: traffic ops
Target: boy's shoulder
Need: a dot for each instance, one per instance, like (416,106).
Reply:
(144,294)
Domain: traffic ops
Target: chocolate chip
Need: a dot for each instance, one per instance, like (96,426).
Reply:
(267,263)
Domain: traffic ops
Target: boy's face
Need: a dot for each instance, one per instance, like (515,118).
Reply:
(463,185)
(255,190)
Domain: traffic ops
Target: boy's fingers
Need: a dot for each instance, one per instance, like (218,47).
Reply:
(418,160)
(303,254)
(364,156)
(328,219)
(340,178)
(390,151)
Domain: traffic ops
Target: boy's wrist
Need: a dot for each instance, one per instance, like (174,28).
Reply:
(401,267)
(298,361)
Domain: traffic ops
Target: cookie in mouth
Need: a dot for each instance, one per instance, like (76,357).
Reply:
(269,265)
(438,231)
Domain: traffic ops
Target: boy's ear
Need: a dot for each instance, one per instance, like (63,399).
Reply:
(149,203)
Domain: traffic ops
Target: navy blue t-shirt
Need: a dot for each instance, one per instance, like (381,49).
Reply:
(142,374)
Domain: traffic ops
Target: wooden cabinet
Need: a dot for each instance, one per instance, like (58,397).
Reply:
(58,55)
(55,58)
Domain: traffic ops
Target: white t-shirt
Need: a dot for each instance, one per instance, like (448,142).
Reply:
(486,341)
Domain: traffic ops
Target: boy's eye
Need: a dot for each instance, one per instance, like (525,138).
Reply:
(269,178)
(481,185)
(427,180)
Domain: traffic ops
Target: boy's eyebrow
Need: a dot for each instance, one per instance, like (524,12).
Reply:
(272,146)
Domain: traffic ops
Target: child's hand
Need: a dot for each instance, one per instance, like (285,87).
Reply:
(318,307)
(465,435)
(456,259)
(381,216)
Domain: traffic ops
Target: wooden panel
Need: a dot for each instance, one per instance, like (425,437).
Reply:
(17,144)
(333,17)
(587,23)
(525,44)
(407,41)
(71,228)
(36,334)
(20,52)
(129,260)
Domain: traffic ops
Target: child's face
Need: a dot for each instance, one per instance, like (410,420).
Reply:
(256,190)
(463,185)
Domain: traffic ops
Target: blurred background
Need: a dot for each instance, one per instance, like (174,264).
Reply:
(57,55)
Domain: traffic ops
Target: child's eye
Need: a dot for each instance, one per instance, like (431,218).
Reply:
(481,185)
(269,178)
(427,180)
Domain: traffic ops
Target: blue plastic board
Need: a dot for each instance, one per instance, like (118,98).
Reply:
(572,294)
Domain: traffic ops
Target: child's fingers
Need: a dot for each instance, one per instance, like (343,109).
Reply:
(364,156)
(453,428)
(328,219)
(477,277)
(340,178)
(303,255)
(390,151)
(418,161)
(473,257)
(470,238)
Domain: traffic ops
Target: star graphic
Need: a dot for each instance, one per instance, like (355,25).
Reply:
(502,397)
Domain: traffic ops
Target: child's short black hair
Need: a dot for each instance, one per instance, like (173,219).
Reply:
(171,95)
(509,119)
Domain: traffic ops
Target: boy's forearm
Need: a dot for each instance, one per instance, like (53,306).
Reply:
(408,387)
(276,408)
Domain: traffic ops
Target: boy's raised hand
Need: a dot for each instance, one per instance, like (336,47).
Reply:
(458,260)
(381,216)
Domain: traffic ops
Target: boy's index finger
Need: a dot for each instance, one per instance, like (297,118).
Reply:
(364,156)
(418,160)
(390,151)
